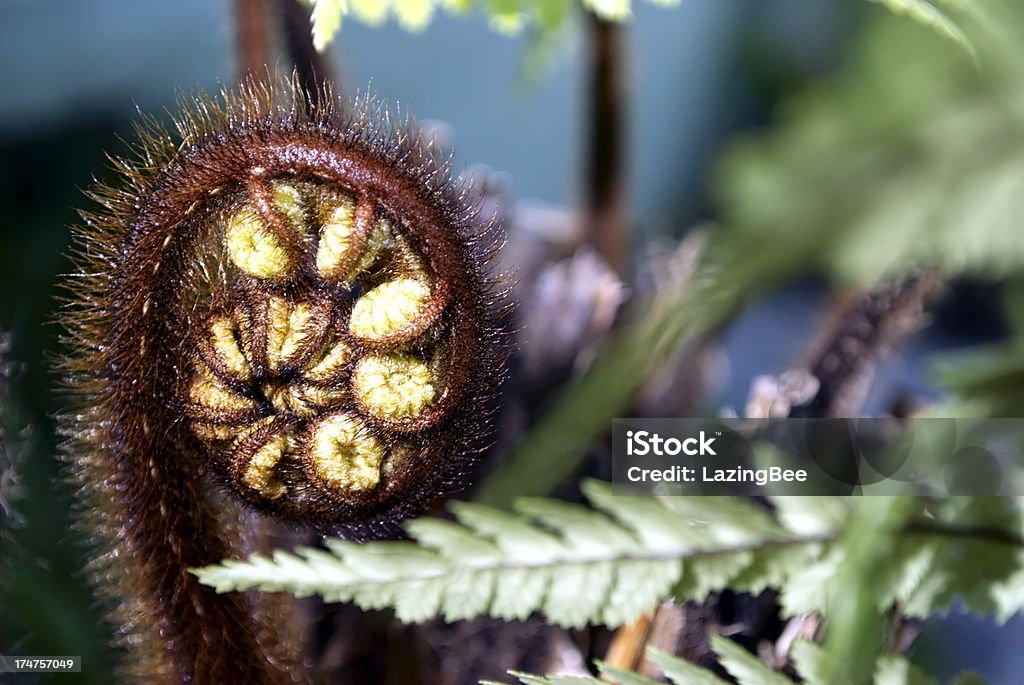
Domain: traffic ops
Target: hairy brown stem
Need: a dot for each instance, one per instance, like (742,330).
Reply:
(606,192)
(863,328)
(227,354)
(252,40)
(311,67)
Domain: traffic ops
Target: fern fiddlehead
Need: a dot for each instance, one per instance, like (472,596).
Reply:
(290,303)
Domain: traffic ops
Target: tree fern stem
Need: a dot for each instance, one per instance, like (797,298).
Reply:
(229,349)
(863,328)
(311,67)
(606,178)
(252,39)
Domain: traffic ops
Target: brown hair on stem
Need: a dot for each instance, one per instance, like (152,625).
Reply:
(285,308)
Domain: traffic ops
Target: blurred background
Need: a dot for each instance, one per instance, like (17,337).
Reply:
(827,125)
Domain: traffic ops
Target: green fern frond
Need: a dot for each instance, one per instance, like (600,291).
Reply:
(613,562)
(674,669)
(505,16)
(574,564)
(746,668)
(510,15)
(929,15)
(908,151)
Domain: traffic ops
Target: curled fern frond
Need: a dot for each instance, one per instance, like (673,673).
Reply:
(288,299)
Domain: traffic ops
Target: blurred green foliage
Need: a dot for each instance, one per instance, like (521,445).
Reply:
(547,16)
(989,381)
(910,157)
(927,14)
(504,15)
(744,667)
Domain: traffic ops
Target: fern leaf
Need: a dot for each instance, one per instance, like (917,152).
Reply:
(612,10)
(371,12)
(623,557)
(812,515)
(809,659)
(576,565)
(896,671)
(929,15)
(414,15)
(621,677)
(746,668)
(528,679)
(681,672)
(504,16)
(811,663)
(326,20)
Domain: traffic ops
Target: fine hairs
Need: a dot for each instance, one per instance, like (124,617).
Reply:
(284,309)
